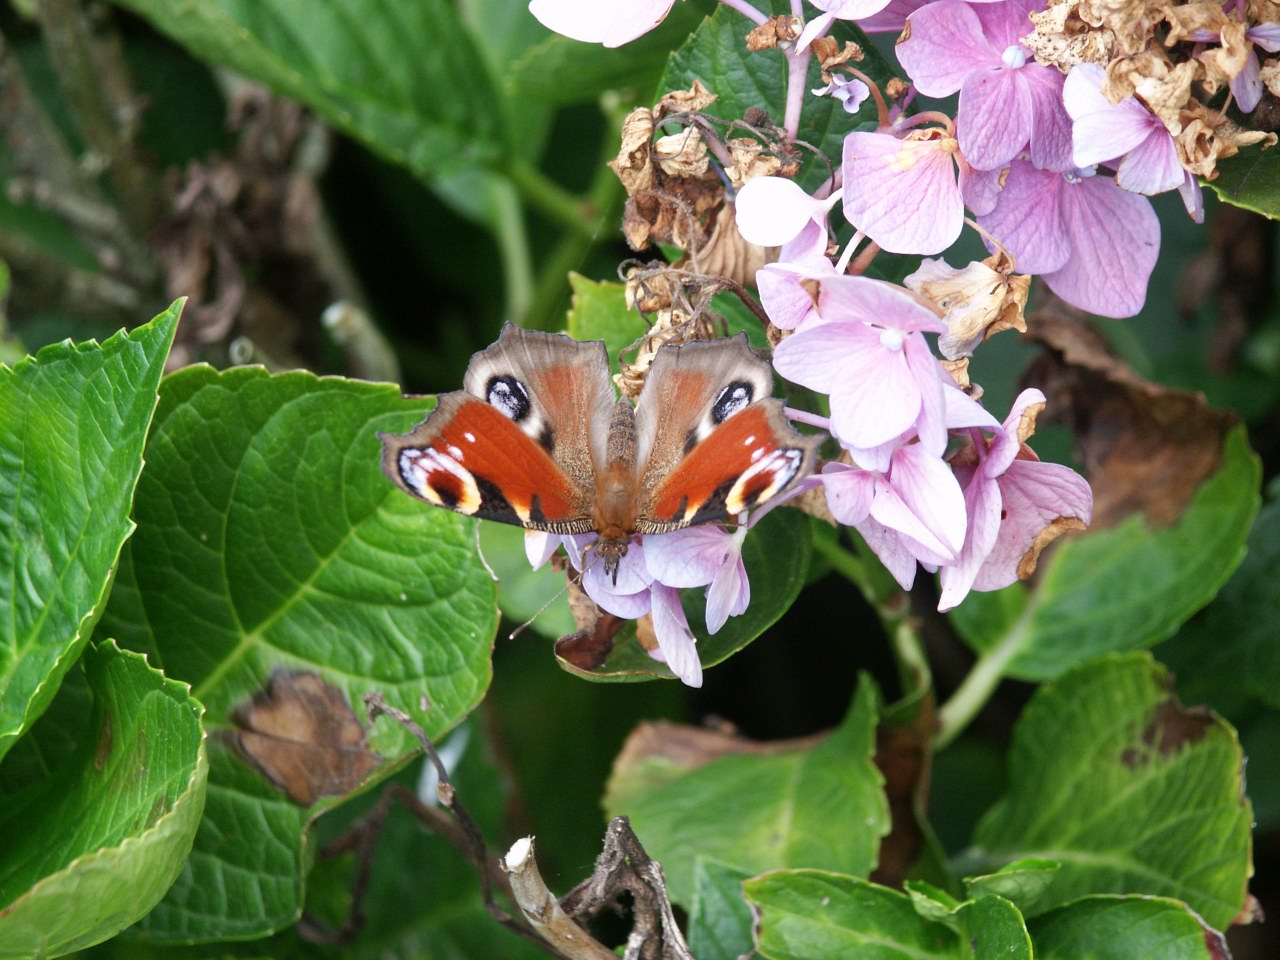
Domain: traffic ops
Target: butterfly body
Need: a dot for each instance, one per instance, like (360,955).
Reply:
(537,438)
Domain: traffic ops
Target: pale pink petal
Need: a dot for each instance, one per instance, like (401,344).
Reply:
(931,423)
(1028,219)
(816,356)
(729,594)
(849,492)
(782,295)
(888,545)
(1152,167)
(902,193)
(610,22)
(1115,238)
(982,502)
(875,301)
(539,546)
(1005,445)
(930,491)
(1005,22)
(771,211)
(877,458)
(892,18)
(994,122)
(945,45)
(632,574)
(1033,495)
(1051,127)
(1101,130)
(878,398)
(1192,196)
(917,539)
(815,28)
(850,9)
(675,639)
(1266,35)
(963,412)
(687,558)
(1246,86)
(628,606)
(980,188)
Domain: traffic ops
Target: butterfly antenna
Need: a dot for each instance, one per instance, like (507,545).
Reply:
(475,532)
(541,610)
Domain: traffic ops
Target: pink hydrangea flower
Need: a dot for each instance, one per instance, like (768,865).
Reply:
(772,211)
(1102,131)
(1094,244)
(781,285)
(608,22)
(1007,100)
(705,556)
(902,193)
(870,357)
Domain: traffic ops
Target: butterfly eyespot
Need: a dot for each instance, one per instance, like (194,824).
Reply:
(509,396)
(735,397)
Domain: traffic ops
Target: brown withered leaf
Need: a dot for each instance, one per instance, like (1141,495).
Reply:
(588,647)
(1146,448)
(779,29)
(303,736)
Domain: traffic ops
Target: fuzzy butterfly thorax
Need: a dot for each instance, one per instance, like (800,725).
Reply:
(538,438)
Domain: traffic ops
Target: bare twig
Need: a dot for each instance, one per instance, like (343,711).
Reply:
(542,910)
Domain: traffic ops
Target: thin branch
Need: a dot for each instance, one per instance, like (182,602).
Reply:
(543,911)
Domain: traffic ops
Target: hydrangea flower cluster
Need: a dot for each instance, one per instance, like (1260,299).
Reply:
(1071,114)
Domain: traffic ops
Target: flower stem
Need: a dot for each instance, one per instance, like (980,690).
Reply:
(797,72)
(546,195)
(976,688)
(747,10)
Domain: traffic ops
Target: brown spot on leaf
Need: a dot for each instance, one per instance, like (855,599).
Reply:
(303,736)
(1146,448)
(1172,727)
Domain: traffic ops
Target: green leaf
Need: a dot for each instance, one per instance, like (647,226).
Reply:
(1023,882)
(405,79)
(1251,179)
(269,539)
(96,841)
(562,71)
(776,554)
(805,914)
(73,421)
(719,918)
(1121,928)
(820,807)
(1120,589)
(717,55)
(1127,790)
(599,312)
(1229,657)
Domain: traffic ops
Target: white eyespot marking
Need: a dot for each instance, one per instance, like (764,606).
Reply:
(471,437)
(749,441)
(734,398)
(455,491)
(756,454)
(764,478)
(455,452)
(510,396)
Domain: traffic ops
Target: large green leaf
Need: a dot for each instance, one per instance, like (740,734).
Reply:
(269,539)
(100,805)
(73,421)
(1126,790)
(1229,657)
(717,55)
(1120,589)
(823,806)
(1121,928)
(406,79)
(806,914)
(720,919)
(1251,180)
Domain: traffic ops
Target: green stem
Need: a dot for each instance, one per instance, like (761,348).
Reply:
(513,249)
(976,688)
(544,194)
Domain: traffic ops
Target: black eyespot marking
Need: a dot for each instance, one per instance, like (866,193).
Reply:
(509,395)
(547,439)
(690,441)
(733,398)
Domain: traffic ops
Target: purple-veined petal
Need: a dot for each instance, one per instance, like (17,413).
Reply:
(892,19)
(816,356)
(930,491)
(1265,35)
(1028,219)
(1102,131)
(888,545)
(849,492)
(632,574)
(628,606)
(539,546)
(783,296)
(875,301)
(850,9)
(994,121)
(1115,238)
(729,594)
(982,503)
(903,193)
(1246,86)
(963,412)
(945,45)
(1033,495)
(675,639)
(931,423)
(687,558)
(878,397)
(1051,125)
(609,22)
(888,508)
(1152,167)
(771,211)
(1192,196)
(1005,22)
(980,188)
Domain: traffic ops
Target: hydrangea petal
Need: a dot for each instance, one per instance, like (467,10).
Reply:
(874,301)
(1051,126)
(893,553)
(632,574)
(878,399)
(930,490)
(771,211)
(1152,167)
(963,412)
(539,546)
(1028,219)
(608,22)
(946,43)
(850,9)
(1246,86)
(994,121)
(931,423)
(888,508)
(1005,22)
(815,357)
(982,503)
(1115,238)
(1007,443)
(729,594)
(687,558)
(675,639)
(849,492)
(1101,131)
(902,193)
